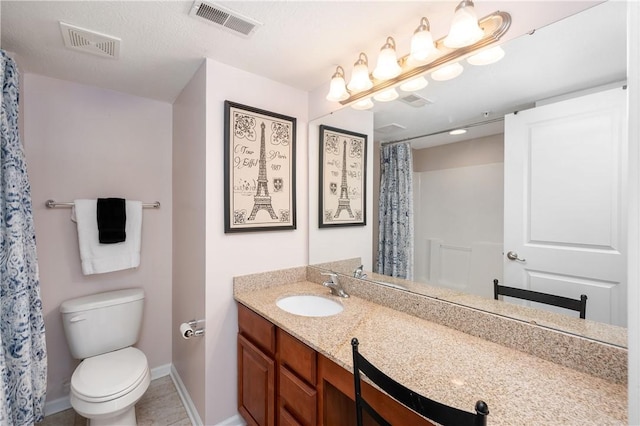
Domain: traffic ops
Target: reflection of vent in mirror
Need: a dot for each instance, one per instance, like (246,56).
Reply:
(89,41)
(225,18)
(389,128)
(414,100)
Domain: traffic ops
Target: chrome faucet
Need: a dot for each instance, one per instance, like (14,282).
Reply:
(334,286)
(358,272)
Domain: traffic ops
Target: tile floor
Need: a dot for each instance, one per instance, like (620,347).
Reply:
(160,406)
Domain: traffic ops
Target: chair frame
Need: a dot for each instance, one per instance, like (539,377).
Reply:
(579,305)
(432,410)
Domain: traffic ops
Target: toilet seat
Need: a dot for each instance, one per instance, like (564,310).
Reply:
(109,376)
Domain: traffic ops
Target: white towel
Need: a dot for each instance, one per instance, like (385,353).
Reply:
(99,258)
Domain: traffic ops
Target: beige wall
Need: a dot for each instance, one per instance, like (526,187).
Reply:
(85,142)
(189,195)
(473,152)
(229,255)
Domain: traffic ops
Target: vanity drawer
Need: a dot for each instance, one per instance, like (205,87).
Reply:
(286,419)
(257,330)
(297,398)
(297,357)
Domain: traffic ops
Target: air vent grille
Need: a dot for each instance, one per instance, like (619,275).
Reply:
(389,128)
(224,18)
(415,100)
(89,41)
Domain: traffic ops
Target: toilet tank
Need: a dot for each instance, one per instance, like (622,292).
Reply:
(103,322)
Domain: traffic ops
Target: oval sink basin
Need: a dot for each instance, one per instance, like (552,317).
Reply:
(308,305)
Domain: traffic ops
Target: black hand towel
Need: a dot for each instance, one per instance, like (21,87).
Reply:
(112,217)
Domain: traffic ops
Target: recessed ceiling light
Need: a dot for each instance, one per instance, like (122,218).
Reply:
(458,132)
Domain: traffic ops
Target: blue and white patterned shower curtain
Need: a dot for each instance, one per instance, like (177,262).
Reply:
(395,237)
(23,355)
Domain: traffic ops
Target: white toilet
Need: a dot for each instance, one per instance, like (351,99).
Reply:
(113,375)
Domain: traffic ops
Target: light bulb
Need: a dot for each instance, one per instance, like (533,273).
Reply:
(421,42)
(360,79)
(366,103)
(464,27)
(386,95)
(448,72)
(415,84)
(337,88)
(486,57)
(387,66)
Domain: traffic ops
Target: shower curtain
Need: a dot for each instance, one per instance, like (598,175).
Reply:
(23,356)
(395,236)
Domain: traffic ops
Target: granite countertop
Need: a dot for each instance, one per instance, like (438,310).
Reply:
(447,365)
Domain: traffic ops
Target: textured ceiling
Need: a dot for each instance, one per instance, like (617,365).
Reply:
(576,44)
(299,43)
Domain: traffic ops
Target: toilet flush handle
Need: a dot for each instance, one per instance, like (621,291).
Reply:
(77,319)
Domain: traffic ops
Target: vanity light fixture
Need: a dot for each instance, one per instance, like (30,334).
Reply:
(422,42)
(386,95)
(486,57)
(408,72)
(360,80)
(363,104)
(465,30)
(414,84)
(387,66)
(338,89)
(448,72)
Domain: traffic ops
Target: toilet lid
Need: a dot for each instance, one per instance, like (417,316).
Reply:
(109,376)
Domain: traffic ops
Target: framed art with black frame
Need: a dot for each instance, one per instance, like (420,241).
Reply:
(259,169)
(343,178)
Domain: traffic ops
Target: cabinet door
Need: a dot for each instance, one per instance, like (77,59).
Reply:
(256,384)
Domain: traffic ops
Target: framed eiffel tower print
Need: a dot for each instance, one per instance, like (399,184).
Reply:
(259,170)
(343,177)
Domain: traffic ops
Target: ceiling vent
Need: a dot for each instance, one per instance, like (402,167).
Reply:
(389,128)
(224,18)
(88,41)
(415,100)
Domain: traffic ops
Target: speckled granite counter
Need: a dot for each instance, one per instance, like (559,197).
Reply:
(442,363)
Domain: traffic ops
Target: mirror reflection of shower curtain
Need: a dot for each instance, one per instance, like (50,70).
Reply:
(395,238)
(23,355)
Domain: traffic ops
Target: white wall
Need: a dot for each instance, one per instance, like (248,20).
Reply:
(189,257)
(330,244)
(458,202)
(229,255)
(85,142)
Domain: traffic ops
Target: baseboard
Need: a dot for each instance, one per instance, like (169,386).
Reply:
(57,405)
(194,417)
(236,420)
(61,404)
(161,371)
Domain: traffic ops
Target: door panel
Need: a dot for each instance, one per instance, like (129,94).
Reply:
(564,201)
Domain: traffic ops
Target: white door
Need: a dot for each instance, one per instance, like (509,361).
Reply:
(565,204)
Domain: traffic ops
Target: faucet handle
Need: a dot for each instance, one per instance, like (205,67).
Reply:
(332,275)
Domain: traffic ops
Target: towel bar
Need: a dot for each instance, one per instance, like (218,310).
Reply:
(55,204)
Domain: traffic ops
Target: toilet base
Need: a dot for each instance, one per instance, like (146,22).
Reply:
(127,418)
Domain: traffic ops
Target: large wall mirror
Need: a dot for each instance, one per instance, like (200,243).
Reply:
(459,181)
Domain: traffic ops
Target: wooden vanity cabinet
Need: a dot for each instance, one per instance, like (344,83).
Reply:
(283,382)
(256,368)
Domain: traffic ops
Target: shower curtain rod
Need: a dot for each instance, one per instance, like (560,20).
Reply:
(56,204)
(466,126)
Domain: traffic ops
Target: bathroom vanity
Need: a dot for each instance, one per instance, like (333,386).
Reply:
(280,377)
(296,370)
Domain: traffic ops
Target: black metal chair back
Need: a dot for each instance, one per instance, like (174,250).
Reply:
(432,410)
(579,305)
